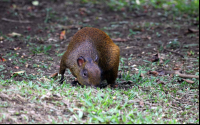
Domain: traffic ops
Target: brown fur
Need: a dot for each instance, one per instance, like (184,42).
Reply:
(91,43)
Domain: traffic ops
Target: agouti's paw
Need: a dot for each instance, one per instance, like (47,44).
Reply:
(75,83)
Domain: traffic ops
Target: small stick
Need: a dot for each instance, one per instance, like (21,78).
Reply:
(185,75)
(15,21)
(177,72)
(174,52)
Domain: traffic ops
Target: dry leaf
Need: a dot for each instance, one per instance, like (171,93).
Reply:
(119,40)
(76,109)
(83,11)
(17,48)
(189,81)
(141,104)
(189,53)
(1,38)
(43,79)
(190,30)
(13,34)
(154,73)
(54,75)
(16,67)
(155,58)
(26,65)
(62,35)
(17,73)
(142,75)
(2,59)
(70,27)
(193,30)
(160,82)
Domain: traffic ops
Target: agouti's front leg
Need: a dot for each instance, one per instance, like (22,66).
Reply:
(62,72)
(62,79)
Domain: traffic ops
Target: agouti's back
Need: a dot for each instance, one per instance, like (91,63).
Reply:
(92,57)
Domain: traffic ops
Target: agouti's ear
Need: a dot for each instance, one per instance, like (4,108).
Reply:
(80,61)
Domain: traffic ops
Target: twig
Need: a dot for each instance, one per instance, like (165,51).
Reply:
(174,52)
(185,75)
(14,21)
(177,72)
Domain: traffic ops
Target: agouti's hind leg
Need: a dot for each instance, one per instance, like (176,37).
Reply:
(112,76)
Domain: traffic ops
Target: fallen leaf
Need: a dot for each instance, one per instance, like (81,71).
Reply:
(83,11)
(17,73)
(119,40)
(189,81)
(17,48)
(155,58)
(70,27)
(142,75)
(160,82)
(62,35)
(76,109)
(154,73)
(1,38)
(16,67)
(193,30)
(190,30)
(13,34)
(54,75)
(43,79)
(46,97)
(27,65)
(141,104)
(177,66)
(189,53)
(2,59)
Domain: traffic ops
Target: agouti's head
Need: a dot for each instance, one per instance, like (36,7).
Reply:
(90,73)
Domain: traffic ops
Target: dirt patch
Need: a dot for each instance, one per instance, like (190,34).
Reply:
(146,34)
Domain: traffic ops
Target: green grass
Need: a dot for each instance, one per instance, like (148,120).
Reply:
(88,105)
(190,7)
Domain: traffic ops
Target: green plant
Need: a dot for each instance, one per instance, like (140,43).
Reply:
(41,49)
(173,44)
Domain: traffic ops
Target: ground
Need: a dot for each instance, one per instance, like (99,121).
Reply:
(140,34)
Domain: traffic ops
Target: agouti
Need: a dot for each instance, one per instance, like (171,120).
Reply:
(91,57)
